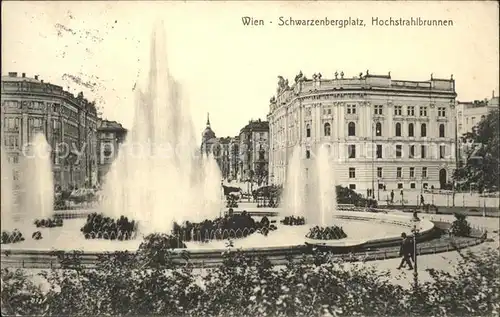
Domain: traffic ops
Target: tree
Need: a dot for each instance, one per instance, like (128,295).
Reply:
(482,155)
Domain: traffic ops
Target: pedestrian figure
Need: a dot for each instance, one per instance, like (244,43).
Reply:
(392,196)
(422,202)
(406,252)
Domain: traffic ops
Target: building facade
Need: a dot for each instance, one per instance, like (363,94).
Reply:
(254,152)
(382,133)
(111,135)
(69,123)
(469,114)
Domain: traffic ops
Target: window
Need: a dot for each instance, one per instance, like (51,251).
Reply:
(473,120)
(399,151)
(441,130)
(423,153)
(411,130)
(441,112)
(423,111)
(423,130)
(351,109)
(351,150)
(327,129)
(400,185)
(308,131)
(379,172)
(412,185)
(424,172)
(351,129)
(399,172)
(398,129)
(11,141)
(411,111)
(327,111)
(412,172)
(425,185)
(442,151)
(398,110)
(379,150)
(460,113)
(352,186)
(352,172)
(308,154)
(378,129)
(378,109)
(12,124)
(411,153)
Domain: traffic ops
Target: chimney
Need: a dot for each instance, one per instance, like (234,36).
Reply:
(12,74)
(36,77)
(24,75)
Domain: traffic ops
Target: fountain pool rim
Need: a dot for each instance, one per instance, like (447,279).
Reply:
(405,221)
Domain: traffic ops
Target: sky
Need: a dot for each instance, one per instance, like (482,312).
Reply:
(230,70)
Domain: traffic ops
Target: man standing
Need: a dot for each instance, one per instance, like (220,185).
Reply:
(392,196)
(406,251)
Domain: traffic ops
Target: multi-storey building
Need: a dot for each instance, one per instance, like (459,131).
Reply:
(69,123)
(111,135)
(469,114)
(382,133)
(254,152)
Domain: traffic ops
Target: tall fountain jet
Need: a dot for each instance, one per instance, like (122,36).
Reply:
(295,187)
(7,192)
(326,194)
(311,193)
(158,178)
(37,181)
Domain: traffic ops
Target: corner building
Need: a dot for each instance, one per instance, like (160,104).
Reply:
(381,132)
(69,123)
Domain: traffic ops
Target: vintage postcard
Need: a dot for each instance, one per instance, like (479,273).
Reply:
(250,158)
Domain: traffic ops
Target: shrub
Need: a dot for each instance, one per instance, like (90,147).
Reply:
(49,223)
(293,221)
(326,233)
(98,226)
(460,226)
(242,285)
(11,237)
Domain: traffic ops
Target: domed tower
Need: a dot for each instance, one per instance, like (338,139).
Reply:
(207,137)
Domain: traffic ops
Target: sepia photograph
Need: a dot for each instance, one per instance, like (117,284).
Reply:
(250,158)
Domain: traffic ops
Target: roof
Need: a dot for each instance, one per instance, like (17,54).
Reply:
(106,125)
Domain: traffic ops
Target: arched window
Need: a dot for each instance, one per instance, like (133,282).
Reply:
(327,129)
(423,130)
(398,129)
(441,130)
(411,130)
(351,129)
(308,131)
(378,129)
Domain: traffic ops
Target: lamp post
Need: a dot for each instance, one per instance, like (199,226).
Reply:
(415,231)
(373,161)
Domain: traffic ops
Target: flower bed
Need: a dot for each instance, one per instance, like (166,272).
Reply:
(230,226)
(101,227)
(293,221)
(49,223)
(326,233)
(11,237)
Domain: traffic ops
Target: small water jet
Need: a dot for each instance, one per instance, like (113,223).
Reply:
(37,181)
(7,191)
(295,185)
